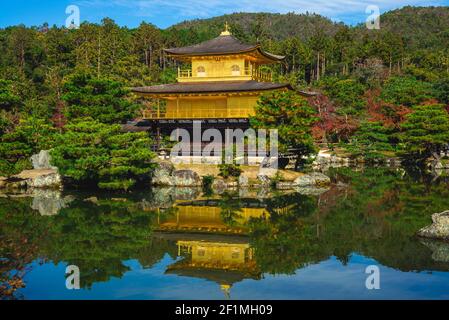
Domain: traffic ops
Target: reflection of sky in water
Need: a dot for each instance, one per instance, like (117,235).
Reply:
(326,280)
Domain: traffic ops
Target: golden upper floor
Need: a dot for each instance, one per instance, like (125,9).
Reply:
(224,58)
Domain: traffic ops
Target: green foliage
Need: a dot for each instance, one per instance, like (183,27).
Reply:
(16,147)
(8,99)
(406,91)
(87,68)
(5,122)
(101,99)
(208,180)
(372,141)
(442,90)
(90,151)
(425,132)
(347,95)
(228,170)
(292,116)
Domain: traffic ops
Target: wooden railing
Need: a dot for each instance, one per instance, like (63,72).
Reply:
(197,114)
(255,74)
(260,75)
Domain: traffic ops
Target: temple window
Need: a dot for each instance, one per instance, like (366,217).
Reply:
(201,71)
(235,70)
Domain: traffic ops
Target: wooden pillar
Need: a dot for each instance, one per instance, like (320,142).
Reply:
(177,107)
(158,138)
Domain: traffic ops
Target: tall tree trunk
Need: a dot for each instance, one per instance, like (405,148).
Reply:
(151,56)
(22,57)
(324,64)
(99,57)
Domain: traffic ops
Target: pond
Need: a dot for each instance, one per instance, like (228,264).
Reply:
(248,244)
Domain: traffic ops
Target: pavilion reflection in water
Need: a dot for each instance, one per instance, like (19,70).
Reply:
(213,247)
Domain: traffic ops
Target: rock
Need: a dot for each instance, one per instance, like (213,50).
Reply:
(165,197)
(440,249)
(165,175)
(162,197)
(243,192)
(439,229)
(186,178)
(269,172)
(312,179)
(342,185)
(243,181)
(36,178)
(219,186)
(263,193)
(265,180)
(186,193)
(42,160)
(439,165)
(162,175)
(94,200)
(48,202)
(285,185)
(310,191)
(232,184)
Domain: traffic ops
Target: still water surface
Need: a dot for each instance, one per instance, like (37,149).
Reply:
(184,244)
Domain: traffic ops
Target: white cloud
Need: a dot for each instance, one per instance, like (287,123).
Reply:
(185,9)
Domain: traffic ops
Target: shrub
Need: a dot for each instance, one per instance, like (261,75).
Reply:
(229,170)
(90,151)
(407,91)
(16,147)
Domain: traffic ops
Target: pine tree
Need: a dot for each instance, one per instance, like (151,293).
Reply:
(426,133)
(292,116)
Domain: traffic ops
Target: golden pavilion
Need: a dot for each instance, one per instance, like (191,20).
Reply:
(219,87)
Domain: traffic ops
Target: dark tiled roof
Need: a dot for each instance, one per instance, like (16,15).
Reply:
(211,87)
(221,45)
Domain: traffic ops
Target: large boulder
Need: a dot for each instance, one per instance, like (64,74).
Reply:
(186,178)
(42,160)
(312,179)
(165,175)
(219,185)
(37,178)
(243,180)
(439,229)
(165,197)
(264,179)
(162,175)
(440,249)
(49,202)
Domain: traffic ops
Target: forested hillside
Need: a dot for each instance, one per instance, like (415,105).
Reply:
(51,77)
(258,26)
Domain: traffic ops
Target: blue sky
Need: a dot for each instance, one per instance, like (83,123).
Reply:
(164,13)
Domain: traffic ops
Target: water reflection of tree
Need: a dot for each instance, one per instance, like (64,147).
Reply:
(377,217)
(99,237)
(20,236)
(230,208)
(283,242)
